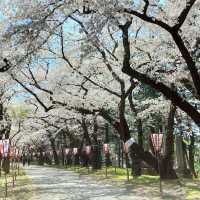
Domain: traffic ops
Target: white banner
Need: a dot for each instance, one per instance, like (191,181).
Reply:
(75,151)
(66,151)
(6,145)
(58,152)
(127,144)
(88,149)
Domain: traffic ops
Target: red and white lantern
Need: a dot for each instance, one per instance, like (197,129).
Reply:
(1,147)
(157,141)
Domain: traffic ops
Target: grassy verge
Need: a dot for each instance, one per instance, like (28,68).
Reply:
(22,189)
(145,185)
(192,189)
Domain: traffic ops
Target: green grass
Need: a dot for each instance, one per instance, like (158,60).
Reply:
(192,189)
(22,189)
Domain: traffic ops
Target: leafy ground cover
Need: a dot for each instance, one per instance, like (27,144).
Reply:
(22,189)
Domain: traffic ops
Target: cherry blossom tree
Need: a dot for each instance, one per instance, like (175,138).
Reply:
(143,39)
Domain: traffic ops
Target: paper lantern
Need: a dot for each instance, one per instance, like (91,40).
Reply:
(1,147)
(157,141)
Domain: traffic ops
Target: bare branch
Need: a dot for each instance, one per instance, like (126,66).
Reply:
(182,17)
(33,94)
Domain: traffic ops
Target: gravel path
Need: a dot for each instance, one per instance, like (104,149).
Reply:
(57,184)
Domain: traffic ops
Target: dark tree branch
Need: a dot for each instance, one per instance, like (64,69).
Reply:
(33,94)
(176,37)
(103,54)
(6,67)
(182,17)
(80,73)
(160,87)
(146,18)
(146,6)
(36,84)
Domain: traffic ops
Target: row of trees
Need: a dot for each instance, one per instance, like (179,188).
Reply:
(132,64)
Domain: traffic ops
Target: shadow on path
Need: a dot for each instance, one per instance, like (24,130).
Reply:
(57,184)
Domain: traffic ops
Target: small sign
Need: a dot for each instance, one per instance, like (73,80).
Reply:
(88,150)
(66,151)
(75,151)
(58,152)
(127,144)
(106,148)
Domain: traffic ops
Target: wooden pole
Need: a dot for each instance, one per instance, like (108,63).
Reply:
(160,181)
(13,180)
(106,171)
(6,185)
(88,167)
(18,167)
(115,170)
(127,171)
(15,174)
(0,167)
(115,164)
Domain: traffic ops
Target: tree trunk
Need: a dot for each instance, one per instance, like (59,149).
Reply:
(107,156)
(136,150)
(85,157)
(180,155)
(167,162)
(191,155)
(96,157)
(136,165)
(55,155)
(6,165)
(96,150)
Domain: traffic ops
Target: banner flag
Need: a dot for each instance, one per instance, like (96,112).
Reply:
(127,144)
